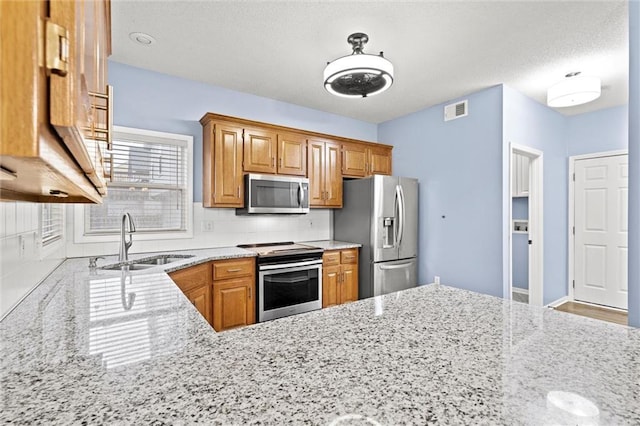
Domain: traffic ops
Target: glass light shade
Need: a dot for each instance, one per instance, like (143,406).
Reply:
(573,91)
(358,75)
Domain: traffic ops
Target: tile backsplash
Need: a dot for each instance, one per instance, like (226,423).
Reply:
(23,262)
(220,228)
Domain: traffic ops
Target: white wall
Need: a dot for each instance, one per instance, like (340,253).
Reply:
(23,262)
(228,230)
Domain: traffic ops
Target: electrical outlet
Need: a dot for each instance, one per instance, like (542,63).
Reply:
(436,279)
(207,226)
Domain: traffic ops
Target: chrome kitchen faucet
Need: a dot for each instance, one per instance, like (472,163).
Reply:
(127,227)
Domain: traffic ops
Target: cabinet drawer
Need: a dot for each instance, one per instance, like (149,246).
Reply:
(232,268)
(190,278)
(330,258)
(349,256)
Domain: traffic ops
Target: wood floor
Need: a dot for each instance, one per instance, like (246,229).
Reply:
(597,312)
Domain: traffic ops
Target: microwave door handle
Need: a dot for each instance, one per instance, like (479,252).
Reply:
(300,194)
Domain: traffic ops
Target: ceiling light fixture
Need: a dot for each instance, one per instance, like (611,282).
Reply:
(358,75)
(142,38)
(573,90)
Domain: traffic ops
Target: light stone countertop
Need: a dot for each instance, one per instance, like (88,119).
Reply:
(103,347)
(331,244)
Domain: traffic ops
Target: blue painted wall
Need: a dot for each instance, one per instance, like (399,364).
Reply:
(459,165)
(150,100)
(529,123)
(634,163)
(520,245)
(598,131)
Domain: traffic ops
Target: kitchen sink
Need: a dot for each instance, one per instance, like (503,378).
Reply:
(162,259)
(148,262)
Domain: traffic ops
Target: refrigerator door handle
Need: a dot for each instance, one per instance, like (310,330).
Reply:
(396,266)
(401,214)
(396,222)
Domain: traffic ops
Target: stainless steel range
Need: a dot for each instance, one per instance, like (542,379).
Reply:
(289,279)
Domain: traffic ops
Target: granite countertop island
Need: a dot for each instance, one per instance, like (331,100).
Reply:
(98,347)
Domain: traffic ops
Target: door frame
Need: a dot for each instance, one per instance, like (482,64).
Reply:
(572,221)
(536,222)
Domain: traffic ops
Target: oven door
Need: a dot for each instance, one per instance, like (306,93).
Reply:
(289,289)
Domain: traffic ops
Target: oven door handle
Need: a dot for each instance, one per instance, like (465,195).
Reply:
(285,266)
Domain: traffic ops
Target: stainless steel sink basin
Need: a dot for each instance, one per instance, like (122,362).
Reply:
(127,266)
(161,259)
(147,262)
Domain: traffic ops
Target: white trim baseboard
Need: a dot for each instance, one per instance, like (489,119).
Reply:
(520,290)
(558,302)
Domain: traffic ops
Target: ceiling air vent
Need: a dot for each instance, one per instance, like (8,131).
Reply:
(457,110)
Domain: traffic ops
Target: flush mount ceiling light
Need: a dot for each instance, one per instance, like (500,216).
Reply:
(358,75)
(142,38)
(573,90)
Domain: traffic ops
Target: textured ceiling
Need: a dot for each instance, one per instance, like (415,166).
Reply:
(440,49)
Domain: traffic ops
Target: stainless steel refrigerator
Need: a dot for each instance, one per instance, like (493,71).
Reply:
(381,213)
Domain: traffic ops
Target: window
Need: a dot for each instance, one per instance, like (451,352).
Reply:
(51,223)
(151,180)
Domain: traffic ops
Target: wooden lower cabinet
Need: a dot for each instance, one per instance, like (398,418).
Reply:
(201,299)
(233,303)
(339,277)
(223,291)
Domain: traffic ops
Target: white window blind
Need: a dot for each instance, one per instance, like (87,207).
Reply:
(51,223)
(150,181)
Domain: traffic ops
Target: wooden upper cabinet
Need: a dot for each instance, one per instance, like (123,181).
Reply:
(354,160)
(270,149)
(260,151)
(379,160)
(360,160)
(333,175)
(325,173)
(292,154)
(222,184)
(315,172)
(54,103)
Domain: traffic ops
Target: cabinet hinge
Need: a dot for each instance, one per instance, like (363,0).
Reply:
(574,283)
(574,230)
(57,48)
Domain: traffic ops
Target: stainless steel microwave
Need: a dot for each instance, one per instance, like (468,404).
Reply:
(275,194)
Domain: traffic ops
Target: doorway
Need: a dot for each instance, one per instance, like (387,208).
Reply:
(526,242)
(598,195)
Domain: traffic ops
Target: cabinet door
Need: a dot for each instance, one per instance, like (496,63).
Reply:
(349,283)
(292,154)
(71,111)
(354,160)
(201,299)
(228,184)
(233,303)
(330,277)
(190,278)
(524,175)
(333,175)
(379,161)
(259,151)
(315,173)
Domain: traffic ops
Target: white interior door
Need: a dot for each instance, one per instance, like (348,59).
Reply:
(601,230)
